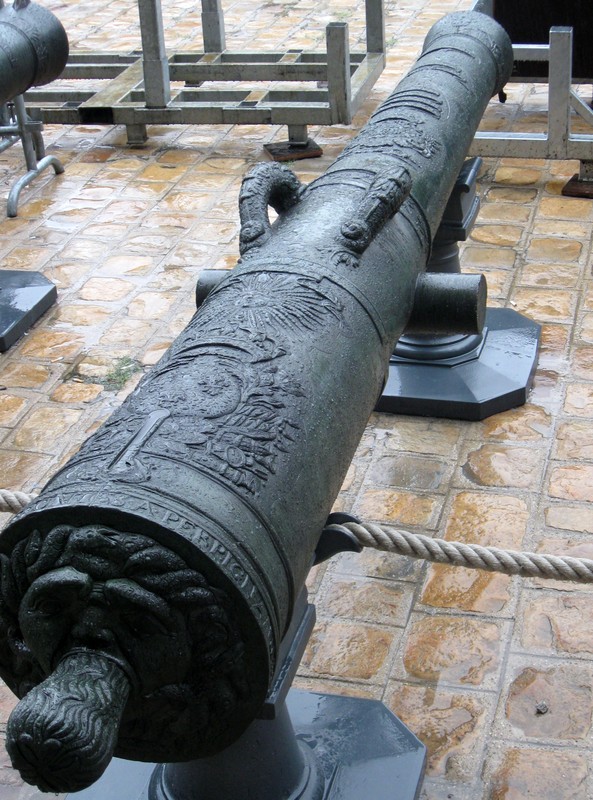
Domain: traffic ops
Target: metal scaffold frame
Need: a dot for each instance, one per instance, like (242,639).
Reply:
(559,141)
(137,88)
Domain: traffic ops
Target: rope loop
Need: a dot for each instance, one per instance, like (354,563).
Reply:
(13,502)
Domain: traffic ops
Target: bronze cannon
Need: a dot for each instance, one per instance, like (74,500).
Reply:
(145,592)
(33,48)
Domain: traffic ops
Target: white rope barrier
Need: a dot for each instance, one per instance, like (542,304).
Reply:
(473,556)
(13,502)
(416,545)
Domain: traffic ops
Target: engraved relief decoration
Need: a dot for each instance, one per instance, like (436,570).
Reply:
(403,126)
(219,398)
(225,398)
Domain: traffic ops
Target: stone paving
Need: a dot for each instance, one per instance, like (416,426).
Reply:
(494,674)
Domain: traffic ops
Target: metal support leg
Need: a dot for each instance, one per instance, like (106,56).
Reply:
(136,134)
(157,89)
(559,78)
(33,147)
(38,144)
(375,22)
(298,135)
(338,72)
(586,171)
(213,26)
(8,137)
(26,137)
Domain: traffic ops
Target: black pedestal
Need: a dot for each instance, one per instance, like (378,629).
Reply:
(578,187)
(24,297)
(493,375)
(353,749)
(289,151)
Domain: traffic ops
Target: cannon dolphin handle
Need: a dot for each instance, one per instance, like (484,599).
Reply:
(174,544)
(33,48)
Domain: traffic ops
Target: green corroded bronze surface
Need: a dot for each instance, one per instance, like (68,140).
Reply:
(33,48)
(170,549)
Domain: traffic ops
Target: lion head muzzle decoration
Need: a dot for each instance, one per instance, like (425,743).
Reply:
(119,624)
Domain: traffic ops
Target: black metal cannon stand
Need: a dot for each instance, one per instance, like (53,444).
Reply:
(462,376)
(304,746)
(24,298)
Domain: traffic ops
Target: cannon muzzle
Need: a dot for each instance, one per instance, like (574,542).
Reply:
(172,547)
(33,48)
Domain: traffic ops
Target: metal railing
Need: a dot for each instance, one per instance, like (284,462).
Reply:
(135,89)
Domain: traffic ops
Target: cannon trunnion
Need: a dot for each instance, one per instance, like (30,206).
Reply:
(145,592)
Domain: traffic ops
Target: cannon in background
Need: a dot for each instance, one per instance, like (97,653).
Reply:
(33,48)
(145,592)
(33,52)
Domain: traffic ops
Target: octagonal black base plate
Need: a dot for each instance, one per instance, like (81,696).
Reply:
(365,751)
(24,297)
(361,748)
(496,377)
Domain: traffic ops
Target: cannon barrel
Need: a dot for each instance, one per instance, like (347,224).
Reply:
(33,48)
(164,558)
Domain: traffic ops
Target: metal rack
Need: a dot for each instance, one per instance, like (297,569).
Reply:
(137,89)
(559,141)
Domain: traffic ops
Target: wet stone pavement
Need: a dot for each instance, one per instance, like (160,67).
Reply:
(494,674)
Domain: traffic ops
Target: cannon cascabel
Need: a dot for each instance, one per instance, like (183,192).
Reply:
(167,554)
